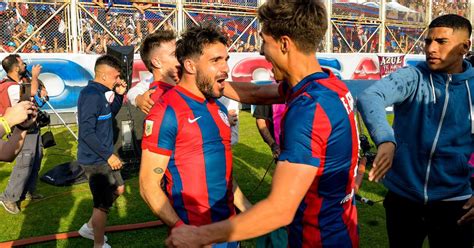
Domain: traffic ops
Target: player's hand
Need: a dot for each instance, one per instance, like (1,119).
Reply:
(184,236)
(35,71)
(19,113)
(383,161)
(121,87)
(144,102)
(468,217)
(233,117)
(114,162)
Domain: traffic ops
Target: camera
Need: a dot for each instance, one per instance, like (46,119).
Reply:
(43,119)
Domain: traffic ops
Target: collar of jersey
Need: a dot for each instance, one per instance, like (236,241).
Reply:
(163,84)
(99,86)
(299,88)
(189,94)
(307,79)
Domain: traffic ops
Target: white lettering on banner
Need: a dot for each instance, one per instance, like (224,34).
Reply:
(391,60)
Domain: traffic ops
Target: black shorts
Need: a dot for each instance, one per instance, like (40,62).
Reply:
(103,182)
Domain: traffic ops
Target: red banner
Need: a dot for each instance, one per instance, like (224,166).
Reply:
(389,64)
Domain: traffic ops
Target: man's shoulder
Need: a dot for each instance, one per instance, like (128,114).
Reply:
(90,93)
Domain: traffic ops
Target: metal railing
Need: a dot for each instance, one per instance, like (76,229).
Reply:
(88,26)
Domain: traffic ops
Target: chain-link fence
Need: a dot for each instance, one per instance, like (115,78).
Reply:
(240,28)
(89,26)
(35,27)
(120,24)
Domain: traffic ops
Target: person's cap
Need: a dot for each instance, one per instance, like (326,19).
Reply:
(35,47)
(11,43)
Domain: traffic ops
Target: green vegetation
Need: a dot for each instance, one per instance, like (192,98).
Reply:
(65,209)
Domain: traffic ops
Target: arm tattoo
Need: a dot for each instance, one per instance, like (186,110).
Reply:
(158,170)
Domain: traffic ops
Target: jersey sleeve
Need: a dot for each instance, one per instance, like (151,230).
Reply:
(306,130)
(160,130)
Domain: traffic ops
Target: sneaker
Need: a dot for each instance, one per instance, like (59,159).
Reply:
(88,233)
(105,245)
(34,196)
(11,207)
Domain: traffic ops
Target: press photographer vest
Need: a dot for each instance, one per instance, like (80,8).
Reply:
(5,101)
(4,97)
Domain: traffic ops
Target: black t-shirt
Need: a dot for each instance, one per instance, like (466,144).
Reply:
(265,112)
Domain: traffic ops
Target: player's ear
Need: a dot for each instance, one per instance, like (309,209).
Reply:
(284,44)
(156,63)
(190,66)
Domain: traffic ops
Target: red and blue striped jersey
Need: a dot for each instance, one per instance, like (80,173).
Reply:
(160,89)
(319,129)
(195,133)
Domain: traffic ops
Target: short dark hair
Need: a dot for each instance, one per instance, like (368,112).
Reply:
(153,41)
(108,60)
(456,22)
(194,39)
(304,21)
(9,62)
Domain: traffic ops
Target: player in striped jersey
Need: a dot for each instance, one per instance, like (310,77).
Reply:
(313,184)
(187,140)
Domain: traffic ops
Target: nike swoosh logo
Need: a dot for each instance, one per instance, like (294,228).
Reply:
(191,121)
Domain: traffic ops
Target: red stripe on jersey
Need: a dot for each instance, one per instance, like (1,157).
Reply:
(320,134)
(225,133)
(197,208)
(150,142)
(350,212)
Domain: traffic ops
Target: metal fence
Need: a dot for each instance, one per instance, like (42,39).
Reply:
(88,26)
(35,27)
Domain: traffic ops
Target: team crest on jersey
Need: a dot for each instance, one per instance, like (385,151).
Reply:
(148,127)
(224,117)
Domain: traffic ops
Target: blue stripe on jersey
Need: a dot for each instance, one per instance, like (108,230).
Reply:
(214,159)
(333,182)
(178,203)
(104,117)
(296,143)
(168,130)
(295,229)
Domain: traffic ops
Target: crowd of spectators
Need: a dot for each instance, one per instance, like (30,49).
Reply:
(356,37)
(128,26)
(21,20)
(443,7)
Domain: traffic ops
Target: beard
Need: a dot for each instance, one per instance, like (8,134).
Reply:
(205,85)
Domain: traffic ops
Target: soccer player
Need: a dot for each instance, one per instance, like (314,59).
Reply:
(97,106)
(313,184)
(158,54)
(186,141)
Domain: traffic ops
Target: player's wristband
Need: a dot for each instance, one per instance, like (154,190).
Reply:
(5,125)
(177,224)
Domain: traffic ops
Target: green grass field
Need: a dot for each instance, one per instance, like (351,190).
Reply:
(65,209)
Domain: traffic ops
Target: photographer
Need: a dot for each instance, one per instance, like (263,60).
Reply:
(14,137)
(22,183)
